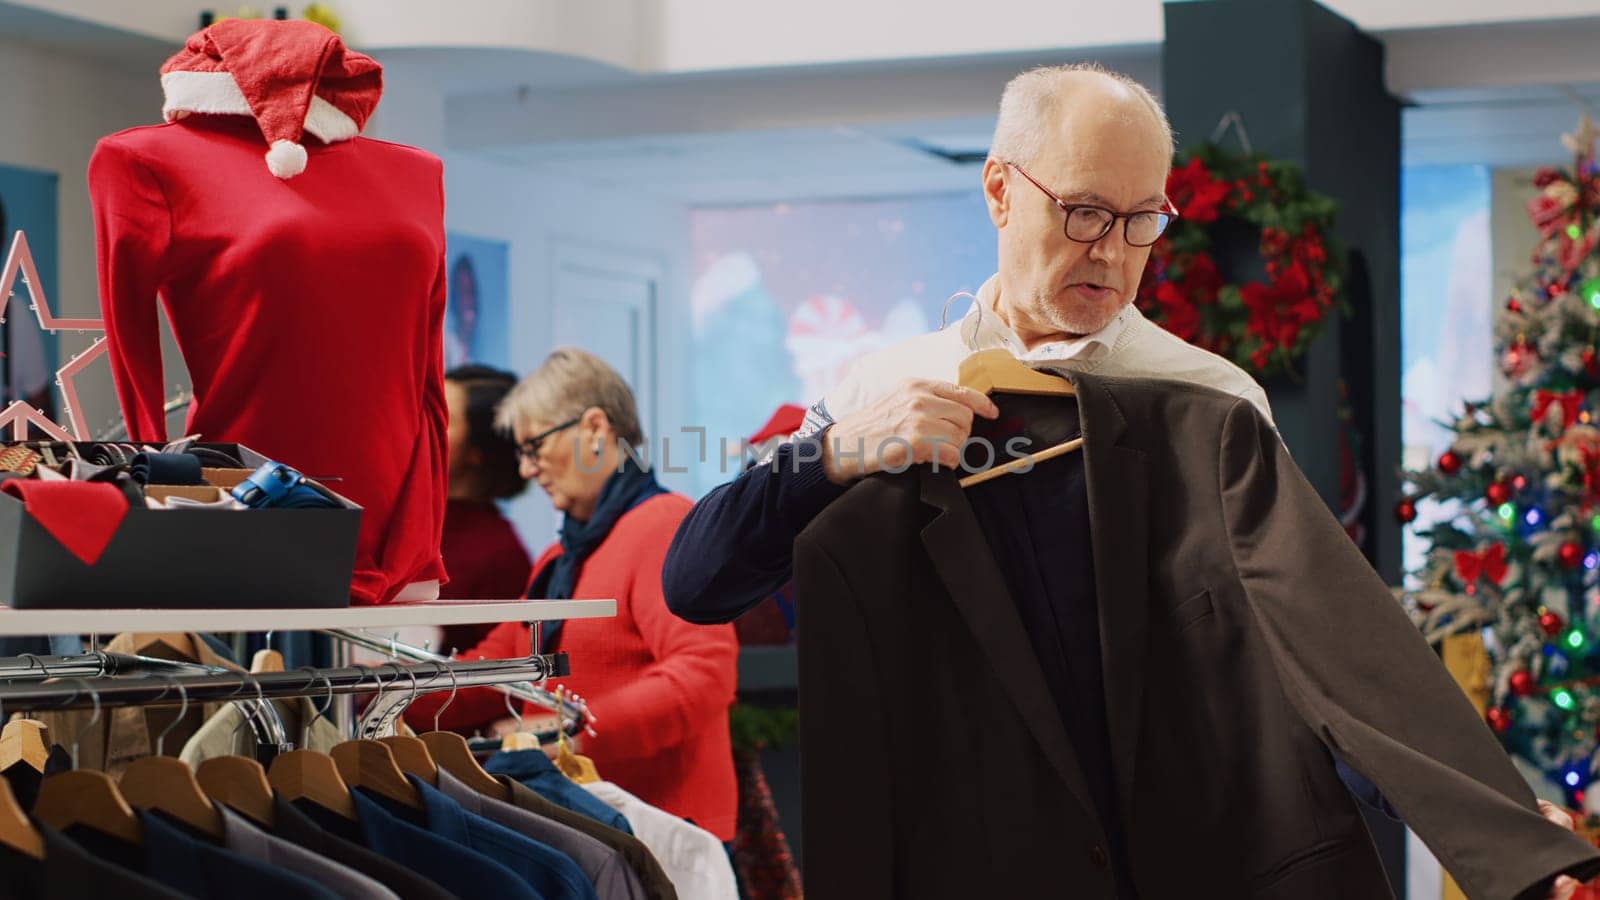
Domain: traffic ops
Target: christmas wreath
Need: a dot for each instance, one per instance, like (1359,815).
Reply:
(1260,308)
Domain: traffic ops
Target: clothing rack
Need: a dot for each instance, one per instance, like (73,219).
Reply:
(171,689)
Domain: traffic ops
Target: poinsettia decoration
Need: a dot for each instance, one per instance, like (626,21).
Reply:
(1264,325)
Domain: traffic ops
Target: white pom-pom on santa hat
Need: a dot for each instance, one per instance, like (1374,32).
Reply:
(286,159)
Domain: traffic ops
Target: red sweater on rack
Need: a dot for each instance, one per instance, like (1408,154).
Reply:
(659,687)
(309,312)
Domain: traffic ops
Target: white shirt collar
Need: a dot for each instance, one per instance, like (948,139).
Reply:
(982,329)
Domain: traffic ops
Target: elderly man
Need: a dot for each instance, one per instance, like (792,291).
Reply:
(1075,185)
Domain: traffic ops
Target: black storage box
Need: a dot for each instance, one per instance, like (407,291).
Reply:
(187,558)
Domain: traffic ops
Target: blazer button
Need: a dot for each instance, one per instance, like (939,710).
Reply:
(1098,856)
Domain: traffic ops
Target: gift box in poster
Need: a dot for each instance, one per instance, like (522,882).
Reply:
(190,557)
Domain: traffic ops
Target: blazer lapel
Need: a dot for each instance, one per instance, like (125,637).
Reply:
(960,555)
(1117,480)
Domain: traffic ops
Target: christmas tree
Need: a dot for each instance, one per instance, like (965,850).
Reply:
(1514,555)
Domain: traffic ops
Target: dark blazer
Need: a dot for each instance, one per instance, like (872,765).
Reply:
(1244,637)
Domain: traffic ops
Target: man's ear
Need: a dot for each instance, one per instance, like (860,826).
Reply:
(996,191)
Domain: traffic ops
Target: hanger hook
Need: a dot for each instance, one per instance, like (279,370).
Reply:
(455,685)
(261,698)
(183,710)
(512,708)
(305,726)
(94,720)
(411,672)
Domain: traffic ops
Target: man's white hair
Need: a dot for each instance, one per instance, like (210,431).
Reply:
(1030,102)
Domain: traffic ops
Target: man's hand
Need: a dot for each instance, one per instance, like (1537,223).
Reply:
(919,421)
(1564,886)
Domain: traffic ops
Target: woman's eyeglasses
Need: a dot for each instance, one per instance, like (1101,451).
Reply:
(529,448)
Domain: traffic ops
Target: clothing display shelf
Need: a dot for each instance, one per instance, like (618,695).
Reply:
(15,622)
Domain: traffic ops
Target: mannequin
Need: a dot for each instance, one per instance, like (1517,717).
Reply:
(307,293)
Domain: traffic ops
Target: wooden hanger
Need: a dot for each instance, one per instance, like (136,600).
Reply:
(308,775)
(413,757)
(998,372)
(518,739)
(89,799)
(579,769)
(450,751)
(371,765)
(23,741)
(174,645)
(168,785)
(239,784)
(266,661)
(16,831)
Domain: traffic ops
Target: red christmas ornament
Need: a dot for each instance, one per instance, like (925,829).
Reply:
(1570,555)
(1405,512)
(1522,682)
(1551,624)
(1589,362)
(1555,290)
(1519,482)
(1498,493)
(1449,462)
(1518,359)
(1513,306)
(1499,719)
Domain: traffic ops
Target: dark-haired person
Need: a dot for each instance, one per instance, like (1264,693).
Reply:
(484,556)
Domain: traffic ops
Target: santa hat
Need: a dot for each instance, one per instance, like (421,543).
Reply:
(293,77)
(784,421)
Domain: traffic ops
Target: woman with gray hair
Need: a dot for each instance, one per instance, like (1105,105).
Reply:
(660,687)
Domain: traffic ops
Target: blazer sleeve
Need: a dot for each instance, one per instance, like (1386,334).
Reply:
(848,833)
(1364,679)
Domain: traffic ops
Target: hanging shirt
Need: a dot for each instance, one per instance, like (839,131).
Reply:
(536,771)
(657,886)
(693,858)
(68,872)
(309,313)
(247,840)
(298,828)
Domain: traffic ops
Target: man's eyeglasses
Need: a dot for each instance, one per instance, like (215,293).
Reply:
(529,448)
(1087,223)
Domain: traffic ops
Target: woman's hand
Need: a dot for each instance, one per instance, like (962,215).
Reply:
(1564,886)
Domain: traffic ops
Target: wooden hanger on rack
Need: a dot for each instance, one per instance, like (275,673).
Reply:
(87,799)
(518,739)
(16,831)
(268,660)
(410,753)
(165,784)
(313,776)
(371,765)
(451,753)
(998,372)
(239,784)
(24,741)
(579,769)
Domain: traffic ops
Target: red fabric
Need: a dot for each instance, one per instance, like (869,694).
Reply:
(310,313)
(486,560)
(784,421)
(81,515)
(279,67)
(659,687)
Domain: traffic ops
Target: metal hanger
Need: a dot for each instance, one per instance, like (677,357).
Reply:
(86,799)
(520,739)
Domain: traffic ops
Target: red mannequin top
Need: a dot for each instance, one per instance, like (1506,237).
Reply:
(309,311)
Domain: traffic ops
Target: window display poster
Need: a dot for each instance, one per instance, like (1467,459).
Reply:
(476,323)
(786,296)
(28,204)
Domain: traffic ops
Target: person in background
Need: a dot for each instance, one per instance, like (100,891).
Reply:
(659,687)
(484,556)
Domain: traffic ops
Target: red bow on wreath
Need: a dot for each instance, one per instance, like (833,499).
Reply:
(1570,402)
(1562,207)
(1490,563)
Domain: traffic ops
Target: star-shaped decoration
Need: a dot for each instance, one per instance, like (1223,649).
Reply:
(19,262)
(19,415)
(1581,142)
(66,381)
